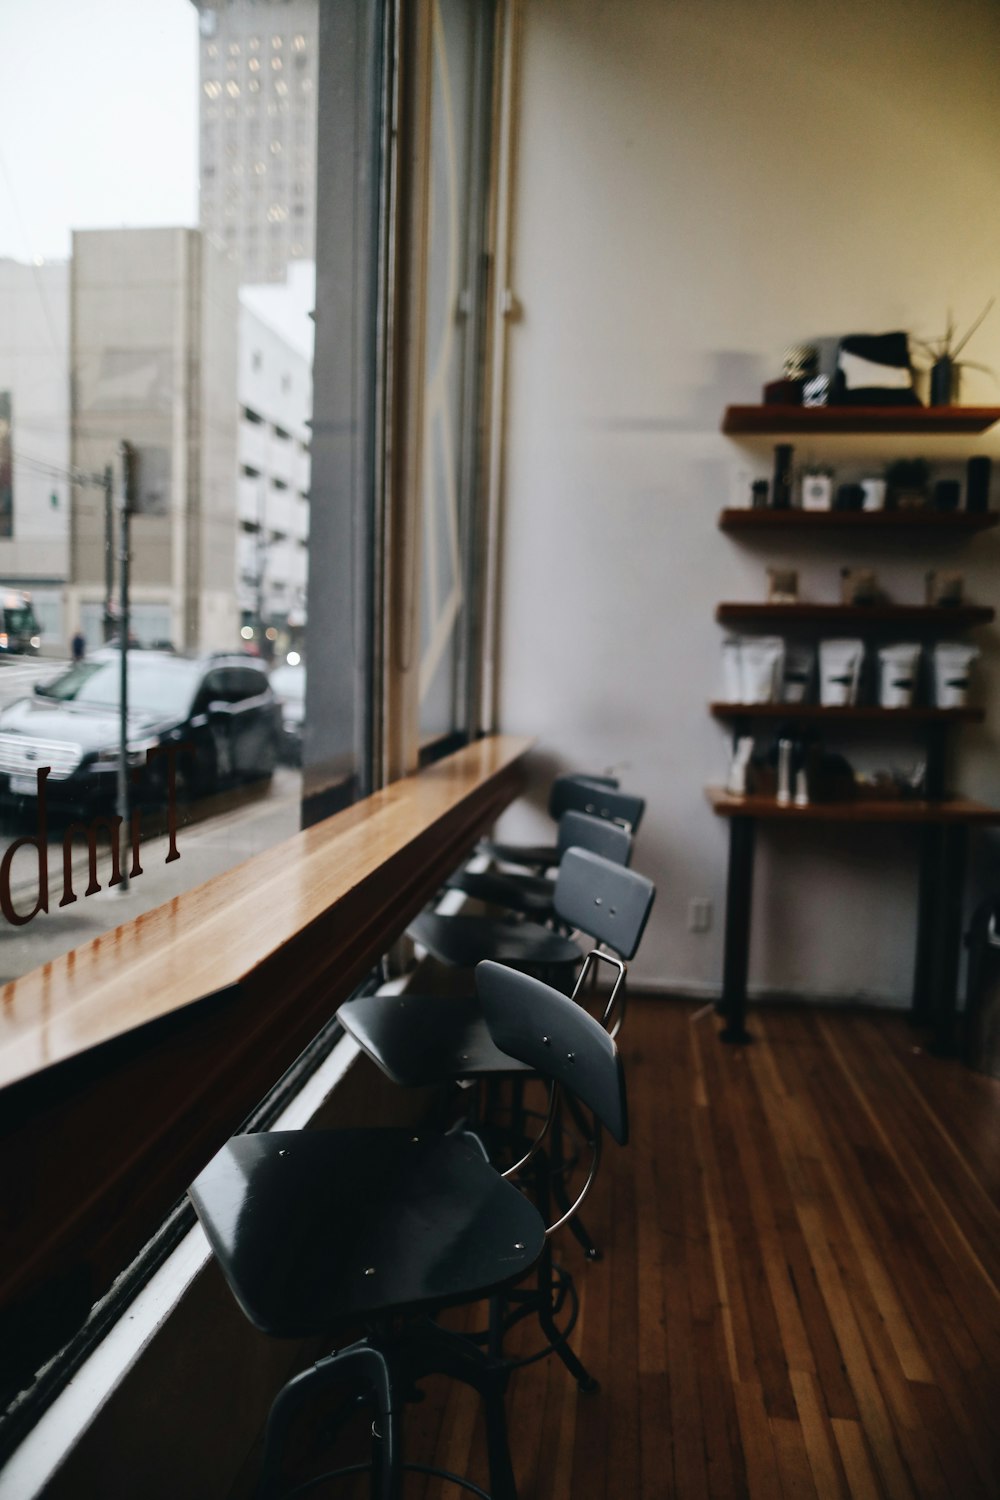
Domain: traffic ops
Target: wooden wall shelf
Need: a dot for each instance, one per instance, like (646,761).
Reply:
(857,616)
(859,419)
(893,522)
(866,713)
(954,810)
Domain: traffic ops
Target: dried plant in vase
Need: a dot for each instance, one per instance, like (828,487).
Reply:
(946,367)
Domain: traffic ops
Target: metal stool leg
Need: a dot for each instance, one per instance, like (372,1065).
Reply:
(577,1227)
(358,1365)
(556,1338)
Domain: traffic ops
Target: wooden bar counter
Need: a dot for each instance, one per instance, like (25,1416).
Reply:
(127,1063)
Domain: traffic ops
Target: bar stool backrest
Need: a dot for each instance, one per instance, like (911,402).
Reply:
(557,1039)
(579,830)
(605,900)
(566,790)
(596,797)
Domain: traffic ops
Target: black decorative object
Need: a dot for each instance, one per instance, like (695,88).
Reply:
(977,487)
(781,485)
(907,481)
(944,382)
(849,497)
(873,369)
(758,492)
(946,495)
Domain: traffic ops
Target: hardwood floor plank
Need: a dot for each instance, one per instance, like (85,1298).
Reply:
(953,1450)
(874,1417)
(763,1474)
(861,1480)
(623,1450)
(884,1201)
(963,1102)
(968,1226)
(793,1461)
(817,1435)
(804,1119)
(795,1297)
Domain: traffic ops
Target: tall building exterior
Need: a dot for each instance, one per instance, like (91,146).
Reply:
(35,436)
(154,319)
(143,336)
(258,131)
(275,396)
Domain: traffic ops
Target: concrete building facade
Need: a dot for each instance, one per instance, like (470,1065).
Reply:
(35,436)
(154,318)
(275,396)
(142,336)
(257,138)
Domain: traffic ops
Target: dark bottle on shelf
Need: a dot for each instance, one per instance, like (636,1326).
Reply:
(781,485)
(977,487)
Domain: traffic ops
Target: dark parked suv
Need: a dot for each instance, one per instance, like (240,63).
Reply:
(221,707)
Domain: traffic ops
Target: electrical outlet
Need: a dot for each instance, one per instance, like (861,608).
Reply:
(699,914)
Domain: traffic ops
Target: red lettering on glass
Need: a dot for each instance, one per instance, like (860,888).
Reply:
(102,823)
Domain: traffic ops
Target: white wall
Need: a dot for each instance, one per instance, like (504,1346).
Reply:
(699,186)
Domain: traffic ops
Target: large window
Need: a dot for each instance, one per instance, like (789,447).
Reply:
(156,342)
(456,284)
(229,607)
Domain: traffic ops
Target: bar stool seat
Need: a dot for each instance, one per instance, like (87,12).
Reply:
(373,1222)
(462,941)
(534,895)
(424,1041)
(530,894)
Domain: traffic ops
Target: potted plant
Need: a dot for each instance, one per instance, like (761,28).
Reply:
(946,367)
(906,481)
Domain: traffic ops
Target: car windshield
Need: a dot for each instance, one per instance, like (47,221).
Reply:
(289,682)
(163,687)
(20,621)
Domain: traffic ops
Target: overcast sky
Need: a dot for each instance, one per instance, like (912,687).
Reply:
(98,119)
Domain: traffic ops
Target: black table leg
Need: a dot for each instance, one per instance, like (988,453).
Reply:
(736,956)
(928,907)
(948,939)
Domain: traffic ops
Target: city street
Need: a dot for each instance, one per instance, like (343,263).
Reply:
(212,836)
(18,674)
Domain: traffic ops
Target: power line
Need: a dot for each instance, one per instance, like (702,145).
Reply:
(54,471)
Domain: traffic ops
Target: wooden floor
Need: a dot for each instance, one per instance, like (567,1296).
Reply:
(800,1293)
(800,1290)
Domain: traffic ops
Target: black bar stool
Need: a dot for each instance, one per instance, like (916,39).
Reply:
(599,797)
(532,895)
(427,1040)
(591,894)
(433,1040)
(317,1230)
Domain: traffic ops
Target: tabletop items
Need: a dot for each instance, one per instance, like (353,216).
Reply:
(875,369)
(903,484)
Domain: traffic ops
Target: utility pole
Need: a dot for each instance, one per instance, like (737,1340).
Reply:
(261,557)
(128,502)
(109,551)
